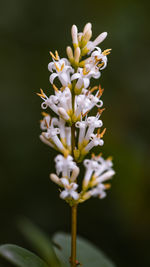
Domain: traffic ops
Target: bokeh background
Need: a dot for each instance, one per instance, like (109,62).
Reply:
(120,224)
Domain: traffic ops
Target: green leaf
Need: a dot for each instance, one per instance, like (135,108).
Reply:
(21,257)
(39,241)
(87,254)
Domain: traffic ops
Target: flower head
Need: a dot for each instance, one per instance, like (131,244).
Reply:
(75,131)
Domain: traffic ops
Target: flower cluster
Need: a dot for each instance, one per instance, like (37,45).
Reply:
(73,132)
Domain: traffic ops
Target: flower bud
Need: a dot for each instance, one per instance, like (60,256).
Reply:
(55,179)
(77,53)
(74,33)
(75,173)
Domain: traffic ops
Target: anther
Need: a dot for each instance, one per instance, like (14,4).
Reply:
(62,67)
(44,114)
(100,90)
(103,132)
(57,67)
(100,111)
(41,94)
(106,52)
(93,89)
(55,88)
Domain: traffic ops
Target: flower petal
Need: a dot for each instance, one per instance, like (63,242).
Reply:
(52,77)
(64,194)
(64,182)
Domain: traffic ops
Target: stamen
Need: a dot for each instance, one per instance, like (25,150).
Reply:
(97,59)
(46,124)
(93,89)
(85,72)
(100,111)
(85,113)
(103,132)
(110,158)
(106,52)
(52,55)
(87,93)
(100,91)
(107,186)
(98,132)
(93,155)
(55,88)
(101,65)
(44,114)
(56,57)
(62,66)
(41,94)
(57,67)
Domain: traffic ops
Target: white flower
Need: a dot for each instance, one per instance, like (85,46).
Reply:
(95,141)
(91,166)
(98,191)
(64,98)
(98,57)
(60,123)
(84,75)
(70,190)
(97,169)
(82,103)
(64,165)
(45,123)
(60,103)
(82,128)
(104,171)
(86,101)
(63,71)
(92,123)
(51,136)
(51,101)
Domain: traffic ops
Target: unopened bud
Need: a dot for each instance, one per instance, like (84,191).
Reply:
(77,53)
(75,173)
(100,39)
(74,33)
(55,179)
(86,37)
(87,27)
(69,53)
(45,141)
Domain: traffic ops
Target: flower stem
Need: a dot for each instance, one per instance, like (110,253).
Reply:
(73,234)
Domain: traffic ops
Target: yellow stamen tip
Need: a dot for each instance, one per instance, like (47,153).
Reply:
(44,114)
(41,94)
(55,88)
(103,132)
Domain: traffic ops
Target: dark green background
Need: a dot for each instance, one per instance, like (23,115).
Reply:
(28,31)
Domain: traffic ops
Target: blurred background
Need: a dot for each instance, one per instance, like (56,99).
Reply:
(120,224)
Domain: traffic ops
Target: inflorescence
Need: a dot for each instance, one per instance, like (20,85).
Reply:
(72,101)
